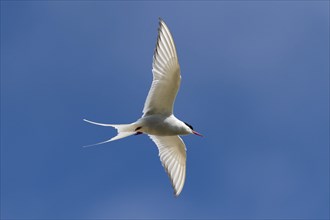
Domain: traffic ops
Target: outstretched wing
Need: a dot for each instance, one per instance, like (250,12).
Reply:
(166,75)
(172,153)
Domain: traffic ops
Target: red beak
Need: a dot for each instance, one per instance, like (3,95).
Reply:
(196,133)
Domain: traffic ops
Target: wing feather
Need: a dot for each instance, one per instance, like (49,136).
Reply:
(172,153)
(166,75)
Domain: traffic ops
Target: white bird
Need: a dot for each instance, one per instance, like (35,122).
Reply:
(158,120)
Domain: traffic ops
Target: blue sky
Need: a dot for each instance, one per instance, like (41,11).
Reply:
(255,82)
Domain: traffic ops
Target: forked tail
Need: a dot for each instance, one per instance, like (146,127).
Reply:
(124,130)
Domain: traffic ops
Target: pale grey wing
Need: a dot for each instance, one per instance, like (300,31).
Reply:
(172,153)
(166,75)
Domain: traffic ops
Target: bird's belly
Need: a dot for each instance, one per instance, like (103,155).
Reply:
(161,126)
(161,131)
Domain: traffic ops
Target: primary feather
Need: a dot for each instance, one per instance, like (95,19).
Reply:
(166,75)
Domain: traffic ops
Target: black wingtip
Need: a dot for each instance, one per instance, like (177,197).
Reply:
(161,21)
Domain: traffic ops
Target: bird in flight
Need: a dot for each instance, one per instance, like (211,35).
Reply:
(158,120)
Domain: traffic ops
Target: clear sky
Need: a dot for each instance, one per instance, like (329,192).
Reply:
(255,82)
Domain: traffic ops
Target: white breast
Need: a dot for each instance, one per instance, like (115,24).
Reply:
(162,125)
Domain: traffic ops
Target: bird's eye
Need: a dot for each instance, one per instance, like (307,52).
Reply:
(191,127)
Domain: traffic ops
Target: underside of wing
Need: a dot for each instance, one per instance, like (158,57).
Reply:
(172,153)
(166,75)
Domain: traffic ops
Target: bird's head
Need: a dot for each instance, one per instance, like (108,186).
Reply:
(191,129)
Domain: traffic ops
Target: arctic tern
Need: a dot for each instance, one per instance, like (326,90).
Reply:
(158,120)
